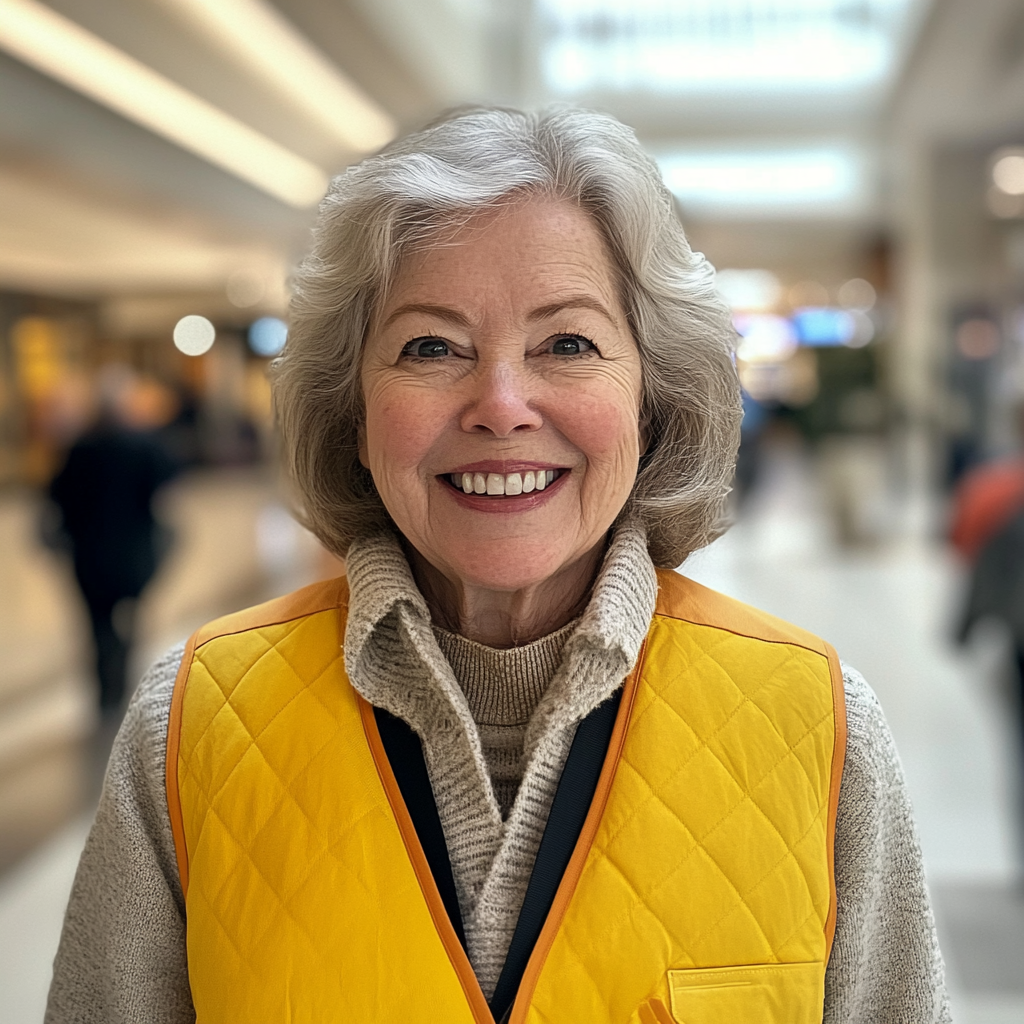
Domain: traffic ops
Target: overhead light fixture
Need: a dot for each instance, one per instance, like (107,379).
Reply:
(738,182)
(57,46)
(256,34)
(729,47)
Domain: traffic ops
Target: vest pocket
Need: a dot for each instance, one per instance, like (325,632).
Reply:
(758,994)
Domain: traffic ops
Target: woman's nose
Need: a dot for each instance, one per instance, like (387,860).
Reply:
(499,402)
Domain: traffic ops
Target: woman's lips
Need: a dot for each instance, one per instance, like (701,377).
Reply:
(499,485)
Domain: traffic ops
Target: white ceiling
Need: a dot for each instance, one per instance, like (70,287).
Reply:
(94,205)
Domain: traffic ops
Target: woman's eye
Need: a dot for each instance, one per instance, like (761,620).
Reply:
(426,348)
(571,345)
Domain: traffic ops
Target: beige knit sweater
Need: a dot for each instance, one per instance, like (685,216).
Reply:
(122,953)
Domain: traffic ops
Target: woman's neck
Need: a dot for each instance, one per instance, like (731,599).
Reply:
(507,618)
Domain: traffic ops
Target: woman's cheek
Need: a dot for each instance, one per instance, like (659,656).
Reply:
(604,426)
(402,425)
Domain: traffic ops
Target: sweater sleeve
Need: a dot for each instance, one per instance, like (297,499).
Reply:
(122,955)
(885,966)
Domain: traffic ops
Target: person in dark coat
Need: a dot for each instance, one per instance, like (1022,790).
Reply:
(105,493)
(996,591)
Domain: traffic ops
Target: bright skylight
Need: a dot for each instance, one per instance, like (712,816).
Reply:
(791,181)
(721,46)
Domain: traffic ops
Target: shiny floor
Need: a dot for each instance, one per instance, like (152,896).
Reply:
(887,607)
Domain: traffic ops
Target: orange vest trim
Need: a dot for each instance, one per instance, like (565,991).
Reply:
(318,597)
(682,598)
(456,954)
(678,598)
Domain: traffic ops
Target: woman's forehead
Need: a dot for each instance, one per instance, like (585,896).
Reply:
(535,254)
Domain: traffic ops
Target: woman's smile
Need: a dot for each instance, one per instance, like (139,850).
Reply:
(502,393)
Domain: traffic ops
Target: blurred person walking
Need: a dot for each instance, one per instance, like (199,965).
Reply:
(987,530)
(104,493)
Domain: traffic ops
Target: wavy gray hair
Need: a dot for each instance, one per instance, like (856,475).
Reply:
(411,196)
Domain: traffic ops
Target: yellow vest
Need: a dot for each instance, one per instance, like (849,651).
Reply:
(701,889)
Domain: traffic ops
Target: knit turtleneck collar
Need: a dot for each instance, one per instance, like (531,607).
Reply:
(393,659)
(503,686)
(616,617)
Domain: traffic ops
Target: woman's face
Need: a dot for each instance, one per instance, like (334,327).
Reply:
(502,390)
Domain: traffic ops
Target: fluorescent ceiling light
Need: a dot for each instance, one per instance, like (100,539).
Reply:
(767,182)
(721,46)
(254,33)
(58,47)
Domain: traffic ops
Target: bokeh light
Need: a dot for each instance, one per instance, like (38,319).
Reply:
(857,294)
(267,336)
(194,335)
(1008,172)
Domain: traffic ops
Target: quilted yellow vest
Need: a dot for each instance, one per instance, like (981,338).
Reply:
(700,891)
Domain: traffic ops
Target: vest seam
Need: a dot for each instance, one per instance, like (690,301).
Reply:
(838,763)
(328,602)
(749,635)
(574,870)
(171,759)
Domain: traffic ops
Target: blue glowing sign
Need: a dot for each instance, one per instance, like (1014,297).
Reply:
(824,326)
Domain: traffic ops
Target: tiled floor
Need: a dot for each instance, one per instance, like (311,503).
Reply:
(886,609)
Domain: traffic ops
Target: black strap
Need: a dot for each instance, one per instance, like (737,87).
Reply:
(405,754)
(569,809)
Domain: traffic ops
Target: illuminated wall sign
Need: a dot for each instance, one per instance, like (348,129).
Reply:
(824,327)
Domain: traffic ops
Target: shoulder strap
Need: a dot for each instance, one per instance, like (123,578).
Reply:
(569,809)
(405,755)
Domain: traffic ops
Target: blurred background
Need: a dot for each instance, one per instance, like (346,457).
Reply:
(853,168)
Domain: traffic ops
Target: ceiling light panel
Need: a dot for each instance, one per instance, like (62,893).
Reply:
(57,46)
(256,35)
(827,180)
(720,46)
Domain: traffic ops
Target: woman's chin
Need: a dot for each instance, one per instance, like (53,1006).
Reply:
(510,566)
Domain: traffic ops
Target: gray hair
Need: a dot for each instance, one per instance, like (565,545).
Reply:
(410,196)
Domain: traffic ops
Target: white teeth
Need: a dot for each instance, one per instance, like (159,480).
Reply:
(498,484)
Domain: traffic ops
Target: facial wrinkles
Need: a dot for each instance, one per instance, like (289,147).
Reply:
(504,396)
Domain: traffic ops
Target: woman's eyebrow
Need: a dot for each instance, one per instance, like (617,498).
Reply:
(572,302)
(453,316)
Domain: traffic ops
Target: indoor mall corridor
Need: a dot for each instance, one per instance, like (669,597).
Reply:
(887,608)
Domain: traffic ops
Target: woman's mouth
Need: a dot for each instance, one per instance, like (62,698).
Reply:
(499,485)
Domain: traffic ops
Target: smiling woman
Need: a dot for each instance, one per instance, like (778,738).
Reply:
(512,766)
(529,369)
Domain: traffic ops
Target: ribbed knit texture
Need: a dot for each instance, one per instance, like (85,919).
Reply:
(503,689)
(393,659)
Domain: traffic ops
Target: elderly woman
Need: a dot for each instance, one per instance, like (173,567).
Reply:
(512,767)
